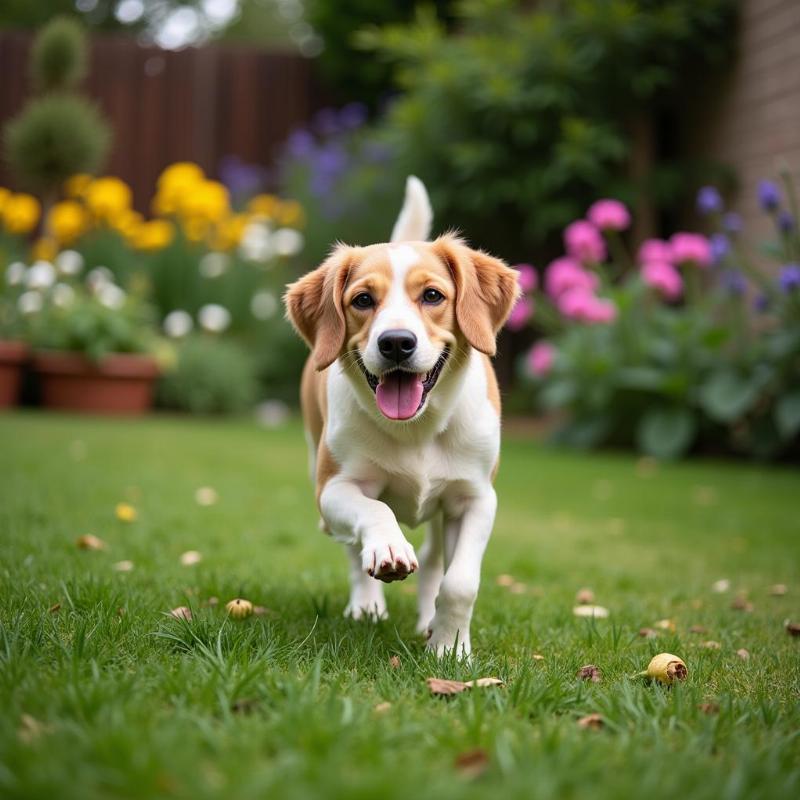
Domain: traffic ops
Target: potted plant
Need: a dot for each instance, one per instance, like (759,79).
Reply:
(13,348)
(92,345)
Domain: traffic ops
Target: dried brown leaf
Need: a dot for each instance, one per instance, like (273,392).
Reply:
(394,662)
(472,763)
(792,628)
(382,708)
(90,542)
(442,686)
(698,629)
(743,654)
(244,705)
(666,625)
(584,597)
(505,580)
(182,612)
(648,633)
(709,708)
(778,589)
(55,608)
(710,644)
(741,603)
(594,722)
(590,672)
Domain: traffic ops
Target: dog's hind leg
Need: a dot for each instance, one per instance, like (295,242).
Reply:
(366,594)
(431,570)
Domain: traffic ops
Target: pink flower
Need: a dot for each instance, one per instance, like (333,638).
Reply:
(664,278)
(540,358)
(609,215)
(692,247)
(584,242)
(583,306)
(527,277)
(520,314)
(566,273)
(655,250)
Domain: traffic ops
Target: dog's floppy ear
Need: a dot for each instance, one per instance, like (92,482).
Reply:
(314,306)
(486,290)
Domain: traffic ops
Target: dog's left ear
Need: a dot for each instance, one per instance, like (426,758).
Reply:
(486,290)
(314,306)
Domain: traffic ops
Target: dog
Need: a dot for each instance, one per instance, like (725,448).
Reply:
(402,412)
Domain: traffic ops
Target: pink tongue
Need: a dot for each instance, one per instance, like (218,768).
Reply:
(399,395)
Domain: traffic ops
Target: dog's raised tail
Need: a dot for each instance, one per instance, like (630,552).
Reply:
(416,216)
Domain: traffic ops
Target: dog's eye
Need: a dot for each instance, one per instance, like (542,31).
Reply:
(432,297)
(363,300)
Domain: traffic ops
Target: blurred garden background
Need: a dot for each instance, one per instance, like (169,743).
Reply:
(168,166)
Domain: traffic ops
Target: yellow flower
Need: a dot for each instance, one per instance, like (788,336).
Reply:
(153,235)
(67,220)
(264,205)
(208,200)
(229,232)
(108,197)
(125,512)
(21,213)
(196,229)
(76,186)
(175,183)
(4,195)
(44,249)
(290,213)
(127,222)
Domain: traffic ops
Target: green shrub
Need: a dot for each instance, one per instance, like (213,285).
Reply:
(522,116)
(55,137)
(58,59)
(212,376)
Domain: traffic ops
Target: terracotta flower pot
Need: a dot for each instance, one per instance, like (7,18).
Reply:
(122,383)
(13,355)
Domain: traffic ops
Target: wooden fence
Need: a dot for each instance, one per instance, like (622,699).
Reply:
(199,104)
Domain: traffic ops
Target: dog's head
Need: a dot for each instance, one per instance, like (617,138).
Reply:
(396,313)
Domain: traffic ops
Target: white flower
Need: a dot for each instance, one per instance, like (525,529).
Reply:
(29,302)
(63,295)
(212,265)
(69,262)
(214,318)
(178,323)
(111,296)
(99,276)
(263,305)
(15,273)
(257,244)
(41,275)
(288,242)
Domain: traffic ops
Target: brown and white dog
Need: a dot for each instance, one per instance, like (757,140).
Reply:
(402,411)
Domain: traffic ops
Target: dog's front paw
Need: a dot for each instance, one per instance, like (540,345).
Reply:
(389,558)
(445,638)
(372,609)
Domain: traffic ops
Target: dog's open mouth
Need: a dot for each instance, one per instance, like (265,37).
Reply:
(400,394)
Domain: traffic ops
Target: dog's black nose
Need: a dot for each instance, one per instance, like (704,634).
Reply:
(397,345)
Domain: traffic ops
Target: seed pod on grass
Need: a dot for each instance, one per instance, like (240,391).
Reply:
(239,608)
(666,668)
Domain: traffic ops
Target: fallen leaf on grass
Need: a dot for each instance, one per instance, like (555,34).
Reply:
(709,708)
(584,597)
(792,628)
(593,722)
(743,654)
(206,496)
(666,625)
(443,687)
(590,672)
(122,566)
(89,542)
(383,707)
(55,608)
(741,603)
(182,612)
(648,633)
(245,705)
(721,586)
(596,612)
(239,608)
(518,588)
(472,763)
(31,729)
(698,629)
(212,601)
(125,512)
(263,611)
(394,662)
(711,645)
(537,657)
(191,557)
(505,580)
(778,589)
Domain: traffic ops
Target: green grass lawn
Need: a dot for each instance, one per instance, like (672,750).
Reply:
(110,697)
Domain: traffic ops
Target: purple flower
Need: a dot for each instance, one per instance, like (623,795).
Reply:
(761,303)
(709,200)
(732,222)
(300,144)
(720,247)
(527,277)
(789,279)
(769,195)
(353,116)
(734,282)
(331,160)
(326,122)
(241,178)
(785,222)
